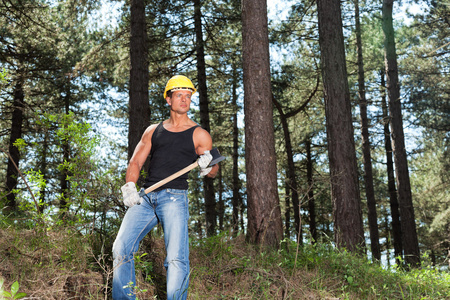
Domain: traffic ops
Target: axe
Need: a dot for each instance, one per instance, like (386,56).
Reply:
(216,159)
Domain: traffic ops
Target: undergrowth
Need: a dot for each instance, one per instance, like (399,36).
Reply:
(235,270)
(60,264)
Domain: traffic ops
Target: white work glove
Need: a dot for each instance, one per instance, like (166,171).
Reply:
(130,194)
(204,172)
(203,163)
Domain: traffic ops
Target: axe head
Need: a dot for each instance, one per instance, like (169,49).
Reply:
(216,157)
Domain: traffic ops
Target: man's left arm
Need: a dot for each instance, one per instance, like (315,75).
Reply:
(203,142)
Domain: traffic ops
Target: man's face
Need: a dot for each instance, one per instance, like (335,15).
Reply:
(180,101)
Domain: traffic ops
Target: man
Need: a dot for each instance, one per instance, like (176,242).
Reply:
(172,145)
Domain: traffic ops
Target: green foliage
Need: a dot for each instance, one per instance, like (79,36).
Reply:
(82,147)
(144,266)
(3,76)
(78,169)
(430,188)
(318,269)
(136,289)
(222,267)
(13,294)
(20,144)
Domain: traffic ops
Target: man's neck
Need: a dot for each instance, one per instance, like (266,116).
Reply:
(178,122)
(178,119)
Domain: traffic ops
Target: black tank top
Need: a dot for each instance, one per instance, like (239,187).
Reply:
(170,152)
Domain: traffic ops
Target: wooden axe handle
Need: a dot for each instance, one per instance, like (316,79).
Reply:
(171,177)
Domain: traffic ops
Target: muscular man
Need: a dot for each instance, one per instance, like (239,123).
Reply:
(172,145)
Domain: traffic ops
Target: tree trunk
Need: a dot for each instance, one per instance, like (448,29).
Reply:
(43,168)
(290,172)
(208,184)
(221,208)
(64,183)
(388,242)
(264,213)
(139,108)
(348,226)
(311,200)
(236,182)
(287,213)
(367,159)
(16,133)
(393,200)
(407,218)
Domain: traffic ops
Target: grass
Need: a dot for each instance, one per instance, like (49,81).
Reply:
(60,264)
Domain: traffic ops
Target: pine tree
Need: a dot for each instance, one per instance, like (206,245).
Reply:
(409,233)
(264,215)
(345,195)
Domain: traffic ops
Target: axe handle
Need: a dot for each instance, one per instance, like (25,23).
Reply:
(171,177)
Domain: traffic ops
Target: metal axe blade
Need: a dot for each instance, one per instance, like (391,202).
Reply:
(216,157)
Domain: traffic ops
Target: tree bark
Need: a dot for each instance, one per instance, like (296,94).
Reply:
(16,133)
(208,184)
(367,159)
(287,212)
(236,203)
(221,204)
(290,172)
(311,199)
(348,226)
(264,213)
(43,165)
(64,183)
(407,218)
(393,199)
(139,108)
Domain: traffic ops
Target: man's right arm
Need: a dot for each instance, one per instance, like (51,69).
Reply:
(140,155)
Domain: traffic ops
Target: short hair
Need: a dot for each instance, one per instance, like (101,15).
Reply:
(170,92)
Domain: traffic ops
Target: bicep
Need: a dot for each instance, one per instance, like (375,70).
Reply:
(202,141)
(143,148)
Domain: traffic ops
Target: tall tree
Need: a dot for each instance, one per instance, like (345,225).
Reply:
(208,184)
(264,213)
(367,157)
(291,180)
(348,225)
(236,203)
(310,192)
(410,241)
(393,199)
(65,173)
(222,41)
(12,173)
(139,109)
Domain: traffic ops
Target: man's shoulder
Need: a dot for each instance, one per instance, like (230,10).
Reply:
(149,131)
(152,127)
(201,133)
(200,130)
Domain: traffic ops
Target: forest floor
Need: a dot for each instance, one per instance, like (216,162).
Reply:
(63,264)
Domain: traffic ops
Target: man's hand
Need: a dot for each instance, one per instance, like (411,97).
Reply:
(203,163)
(130,194)
(204,172)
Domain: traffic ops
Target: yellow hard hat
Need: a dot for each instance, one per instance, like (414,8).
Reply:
(179,82)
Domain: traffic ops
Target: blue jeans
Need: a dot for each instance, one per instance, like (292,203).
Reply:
(170,207)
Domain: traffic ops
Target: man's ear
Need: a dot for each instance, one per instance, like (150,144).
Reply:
(168,101)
